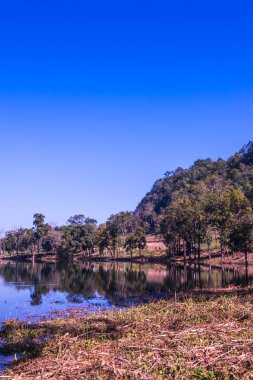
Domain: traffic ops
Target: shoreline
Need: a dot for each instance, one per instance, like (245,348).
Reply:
(185,337)
(163,258)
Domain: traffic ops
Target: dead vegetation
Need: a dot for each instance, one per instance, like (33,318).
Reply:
(202,338)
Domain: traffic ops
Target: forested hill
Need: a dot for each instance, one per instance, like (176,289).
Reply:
(237,172)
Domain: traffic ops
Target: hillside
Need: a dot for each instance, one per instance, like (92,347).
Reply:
(237,171)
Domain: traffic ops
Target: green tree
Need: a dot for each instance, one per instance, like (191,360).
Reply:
(118,226)
(52,241)
(40,230)
(9,242)
(178,224)
(241,235)
(77,220)
(136,240)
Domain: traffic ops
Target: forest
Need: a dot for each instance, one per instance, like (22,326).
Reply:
(187,208)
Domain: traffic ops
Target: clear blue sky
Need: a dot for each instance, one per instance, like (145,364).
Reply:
(98,99)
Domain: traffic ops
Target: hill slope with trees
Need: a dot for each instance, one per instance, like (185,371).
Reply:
(190,206)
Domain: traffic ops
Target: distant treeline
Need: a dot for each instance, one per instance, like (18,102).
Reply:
(121,233)
(188,207)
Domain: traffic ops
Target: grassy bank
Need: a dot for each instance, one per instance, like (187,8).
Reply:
(200,338)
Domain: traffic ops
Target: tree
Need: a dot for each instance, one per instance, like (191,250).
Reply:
(178,224)
(38,220)
(40,229)
(9,242)
(52,241)
(78,238)
(118,226)
(241,235)
(80,219)
(136,240)
(102,238)
(223,204)
(77,220)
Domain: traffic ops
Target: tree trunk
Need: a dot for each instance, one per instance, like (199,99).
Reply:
(246,258)
(200,282)
(189,249)
(209,250)
(222,250)
(198,248)
(246,268)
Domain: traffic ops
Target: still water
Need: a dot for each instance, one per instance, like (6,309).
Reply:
(35,291)
(28,291)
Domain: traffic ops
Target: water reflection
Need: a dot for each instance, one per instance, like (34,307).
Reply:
(107,283)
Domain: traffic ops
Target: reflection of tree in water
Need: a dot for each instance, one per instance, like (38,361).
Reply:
(110,282)
(26,273)
(191,277)
(76,279)
(36,296)
(135,281)
(114,280)
(73,298)
(40,276)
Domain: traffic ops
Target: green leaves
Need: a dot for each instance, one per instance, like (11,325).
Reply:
(209,208)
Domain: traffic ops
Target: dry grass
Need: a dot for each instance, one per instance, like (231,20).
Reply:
(189,339)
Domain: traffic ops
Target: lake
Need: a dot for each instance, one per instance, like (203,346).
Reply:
(31,292)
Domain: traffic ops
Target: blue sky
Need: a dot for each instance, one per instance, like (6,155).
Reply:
(99,99)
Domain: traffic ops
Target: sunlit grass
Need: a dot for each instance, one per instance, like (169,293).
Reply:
(196,338)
